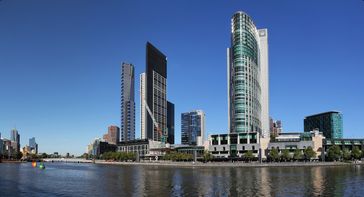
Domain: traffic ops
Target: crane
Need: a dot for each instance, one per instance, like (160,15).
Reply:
(154,121)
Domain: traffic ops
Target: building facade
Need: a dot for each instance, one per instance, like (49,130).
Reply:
(143,134)
(156,94)
(33,146)
(127,103)
(193,128)
(142,148)
(15,140)
(275,127)
(170,122)
(248,96)
(330,123)
(113,135)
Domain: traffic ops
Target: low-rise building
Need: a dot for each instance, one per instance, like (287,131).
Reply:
(143,147)
(99,147)
(343,143)
(233,144)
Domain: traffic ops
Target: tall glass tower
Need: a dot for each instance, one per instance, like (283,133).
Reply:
(247,61)
(127,131)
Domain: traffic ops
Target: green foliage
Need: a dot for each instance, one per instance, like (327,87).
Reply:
(285,155)
(334,153)
(119,156)
(44,155)
(175,156)
(356,153)
(274,154)
(297,155)
(207,156)
(309,153)
(346,154)
(248,156)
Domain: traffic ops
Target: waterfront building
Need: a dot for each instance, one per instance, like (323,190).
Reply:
(170,122)
(248,96)
(113,135)
(275,127)
(196,151)
(300,141)
(234,145)
(1,147)
(330,123)
(143,134)
(99,147)
(344,143)
(33,146)
(156,94)
(15,138)
(193,127)
(143,148)
(127,103)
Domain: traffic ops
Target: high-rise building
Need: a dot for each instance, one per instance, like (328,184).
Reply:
(33,146)
(248,86)
(275,127)
(156,94)
(330,123)
(127,103)
(143,134)
(113,135)
(193,127)
(15,138)
(170,122)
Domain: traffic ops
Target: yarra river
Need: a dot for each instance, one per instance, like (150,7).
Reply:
(66,179)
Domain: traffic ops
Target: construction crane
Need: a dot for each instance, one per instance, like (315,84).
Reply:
(159,130)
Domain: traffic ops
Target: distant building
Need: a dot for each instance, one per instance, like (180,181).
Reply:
(113,135)
(15,138)
(275,127)
(170,122)
(156,94)
(1,146)
(142,148)
(98,147)
(330,123)
(193,127)
(33,146)
(127,103)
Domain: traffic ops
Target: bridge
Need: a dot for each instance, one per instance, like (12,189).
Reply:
(67,160)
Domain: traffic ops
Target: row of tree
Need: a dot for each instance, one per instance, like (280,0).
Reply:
(285,155)
(176,156)
(336,154)
(118,156)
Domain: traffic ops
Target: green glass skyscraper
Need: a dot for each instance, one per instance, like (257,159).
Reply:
(330,123)
(248,77)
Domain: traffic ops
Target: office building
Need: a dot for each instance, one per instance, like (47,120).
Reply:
(113,135)
(156,94)
(330,123)
(170,122)
(248,85)
(15,140)
(127,103)
(33,146)
(143,134)
(275,127)
(193,127)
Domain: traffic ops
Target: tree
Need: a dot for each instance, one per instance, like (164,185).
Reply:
(248,155)
(274,154)
(297,155)
(334,153)
(356,153)
(309,153)
(207,156)
(285,155)
(346,154)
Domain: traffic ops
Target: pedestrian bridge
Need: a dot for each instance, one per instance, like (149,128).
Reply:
(67,160)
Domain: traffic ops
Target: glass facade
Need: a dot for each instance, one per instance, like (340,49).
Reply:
(329,123)
(244,76)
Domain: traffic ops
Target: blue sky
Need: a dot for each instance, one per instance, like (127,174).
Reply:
(60,62)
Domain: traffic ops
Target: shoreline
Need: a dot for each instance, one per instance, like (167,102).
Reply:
(228,164)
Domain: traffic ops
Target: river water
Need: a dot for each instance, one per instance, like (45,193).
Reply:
(64,179)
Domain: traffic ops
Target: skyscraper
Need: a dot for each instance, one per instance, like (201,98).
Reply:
(193,127)
(143,134)
(127,103)
(170,122)
(156,93)
(330,123)
(33,145)
(113,135)
(247,64)
(15,139)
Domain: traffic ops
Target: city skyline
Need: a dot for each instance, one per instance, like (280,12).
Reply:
(86,100)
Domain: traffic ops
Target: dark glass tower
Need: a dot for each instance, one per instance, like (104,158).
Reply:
(127,128)
(170,122)
(156,93)
(330,123)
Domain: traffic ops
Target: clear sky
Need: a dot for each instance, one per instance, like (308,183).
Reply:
(60,62)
